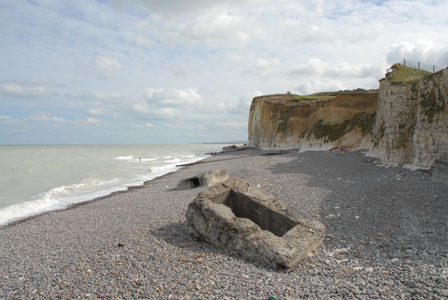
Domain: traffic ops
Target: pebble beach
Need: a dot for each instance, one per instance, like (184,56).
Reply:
(386,237)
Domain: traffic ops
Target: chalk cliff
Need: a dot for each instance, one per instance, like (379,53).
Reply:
(325,121)
(404,122)
(411,126)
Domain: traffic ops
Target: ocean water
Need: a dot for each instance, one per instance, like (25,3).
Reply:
(36,179)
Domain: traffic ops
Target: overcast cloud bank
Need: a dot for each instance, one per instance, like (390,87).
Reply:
(185,71)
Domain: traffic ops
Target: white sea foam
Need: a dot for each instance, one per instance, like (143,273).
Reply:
(124,157)
(148,159)
(25,209)
(173,161)
(57,198)
(64,175)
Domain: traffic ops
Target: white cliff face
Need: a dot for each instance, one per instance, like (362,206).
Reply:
(395,123)
(411,125)
(288,121)
(431,131)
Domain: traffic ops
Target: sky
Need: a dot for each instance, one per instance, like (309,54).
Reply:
(177,71)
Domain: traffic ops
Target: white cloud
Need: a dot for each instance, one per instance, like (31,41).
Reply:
(306,87)
(169,103)
(93,121)
(140,126)
(107,67)
(316,76)
(142,108)
(106,96)
(181,6)
(212,52)
(174,97)
(424,52)
(239,125)
(15,131)
(263,63)
(45,118)
(166,112)
(12,121)
(246,99)
(216,25)
(95,111)
(319,68)
(17,89)
(14,89)
(183,126)
(39,80)
(266,67)
(220,27)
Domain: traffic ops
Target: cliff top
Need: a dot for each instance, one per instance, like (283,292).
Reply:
(294,98)
(403,74)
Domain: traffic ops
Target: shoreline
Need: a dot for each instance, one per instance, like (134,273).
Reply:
(385,238)
(112,194)
(119,192)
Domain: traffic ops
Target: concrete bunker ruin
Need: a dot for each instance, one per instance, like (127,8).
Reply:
(243,206)
(192,182)
(203,179)
(244,220)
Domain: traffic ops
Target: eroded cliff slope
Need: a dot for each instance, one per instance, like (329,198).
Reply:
(326,120)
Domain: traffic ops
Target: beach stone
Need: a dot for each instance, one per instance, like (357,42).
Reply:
(244,220)
(440,172)
(203,179)
(229,148)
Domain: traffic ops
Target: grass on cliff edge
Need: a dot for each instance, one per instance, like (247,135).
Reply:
(403,74)
(317,96)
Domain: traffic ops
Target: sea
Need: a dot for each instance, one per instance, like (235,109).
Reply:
(37,179)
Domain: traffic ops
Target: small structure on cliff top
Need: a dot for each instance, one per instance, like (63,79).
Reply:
(244,220)
(203,179)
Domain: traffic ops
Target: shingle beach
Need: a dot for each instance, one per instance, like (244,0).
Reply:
(386,237)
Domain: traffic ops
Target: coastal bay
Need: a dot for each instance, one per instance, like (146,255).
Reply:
(385,237)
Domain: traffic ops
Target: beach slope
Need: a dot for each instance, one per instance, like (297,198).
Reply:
(386,237)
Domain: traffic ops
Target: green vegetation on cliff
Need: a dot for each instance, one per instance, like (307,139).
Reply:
(284,119)
(312,97)
(403,74)
(334,132)
(433,99)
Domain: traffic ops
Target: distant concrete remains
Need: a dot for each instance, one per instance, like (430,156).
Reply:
(203,179)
